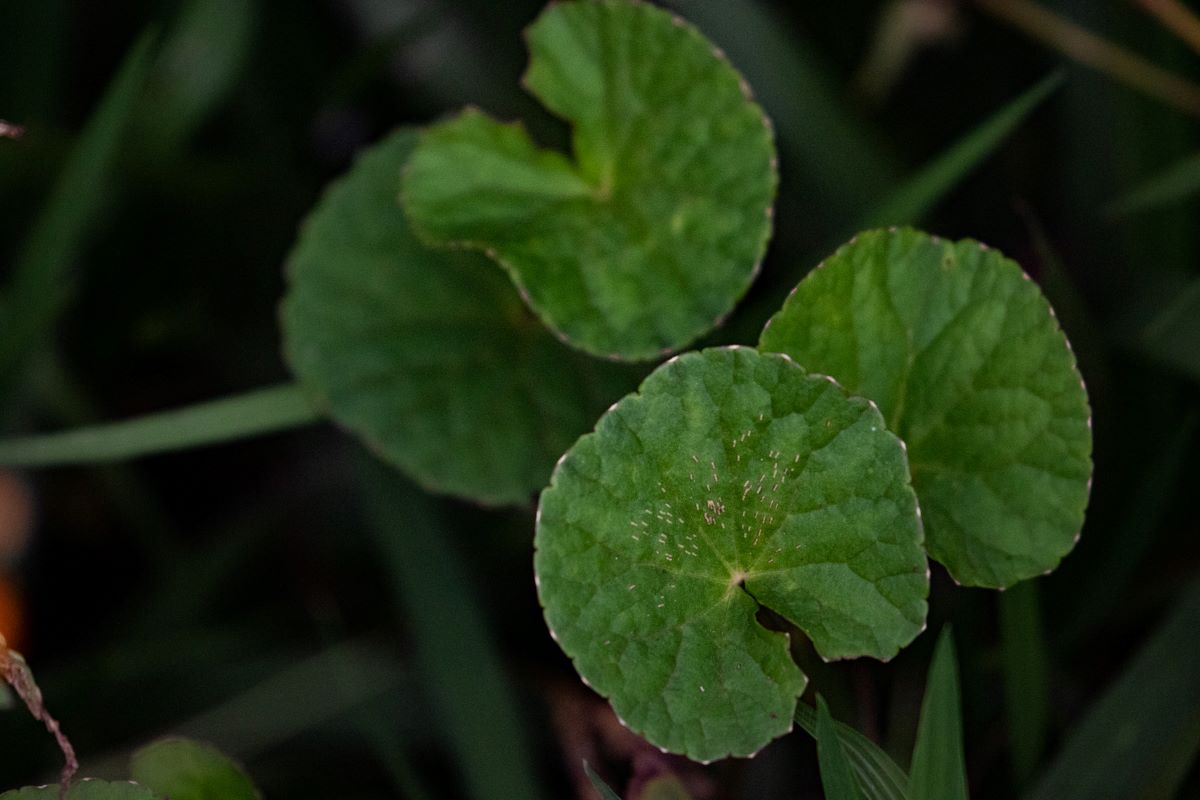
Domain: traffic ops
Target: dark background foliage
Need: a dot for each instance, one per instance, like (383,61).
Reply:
(239,593)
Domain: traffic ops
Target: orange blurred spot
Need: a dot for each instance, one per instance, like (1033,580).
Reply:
(12,614)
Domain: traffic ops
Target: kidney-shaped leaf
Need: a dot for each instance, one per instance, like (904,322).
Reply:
(182,769)
(654,230)
(731,479)
(965,359)
(429,356)
(84,790)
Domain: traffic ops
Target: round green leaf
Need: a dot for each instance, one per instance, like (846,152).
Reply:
(429,356)
(653,232)
(182,769)
(86,789)
(731,479)
(964,357)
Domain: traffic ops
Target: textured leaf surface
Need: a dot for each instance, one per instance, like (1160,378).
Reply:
(730,479)
(429,356)
(84,790)
(182,769)
(962,354)
(652,233)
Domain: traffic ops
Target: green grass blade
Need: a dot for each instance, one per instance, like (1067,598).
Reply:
(201,60)
(1139,739)
(920,193)
(1176,183)
(939,770)
(39,286)
(460,665)
(837,778)
(878,776)
(1026,678)
(606,793)
(252,414)
(1173,337)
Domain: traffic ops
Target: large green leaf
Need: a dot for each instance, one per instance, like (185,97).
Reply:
(965,359)
(83,790)
(731,479)
(428,356)
(183,769)
(652,233)
(939,769)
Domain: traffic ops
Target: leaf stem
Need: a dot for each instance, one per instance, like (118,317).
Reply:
(1087,48)
(1177,18)
(254,413)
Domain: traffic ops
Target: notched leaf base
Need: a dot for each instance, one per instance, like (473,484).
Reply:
(732,481)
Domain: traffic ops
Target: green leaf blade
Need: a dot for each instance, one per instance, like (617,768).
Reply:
(939,768)
(731,479)
(182,769)
(423,353)
(652,234)
(877,774)
(837,779)
(964,357)
(87,789)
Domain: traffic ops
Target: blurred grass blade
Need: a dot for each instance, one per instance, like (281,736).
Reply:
(39,287)
(1177,182)
(459,663)
(252,414)
(939,770)
(1026,676)
(1139,739)
(920,193)
(598,784)
(878,776)
(1173,337)
(830,149)
(837,779)
(1104,586)
(201,60)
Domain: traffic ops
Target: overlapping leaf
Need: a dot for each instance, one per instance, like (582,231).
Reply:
(962,354)
(730,479)
(84,790)
(429,356)
(182,769)
(653,231)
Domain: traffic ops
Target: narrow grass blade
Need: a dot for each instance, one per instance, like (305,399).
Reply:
(1173,337)
(837,778)
(939,769)
(1026,676)
(455,652)
(878,776)
(1139,739)
(201,60)
(252,414)
(920,193)
(38,290)
(599,785)
(1177,182)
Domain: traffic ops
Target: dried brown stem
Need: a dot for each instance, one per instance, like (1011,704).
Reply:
(16,673)
(1088,48)
(1177,18)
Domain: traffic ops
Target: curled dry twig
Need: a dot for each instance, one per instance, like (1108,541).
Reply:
(16,673)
